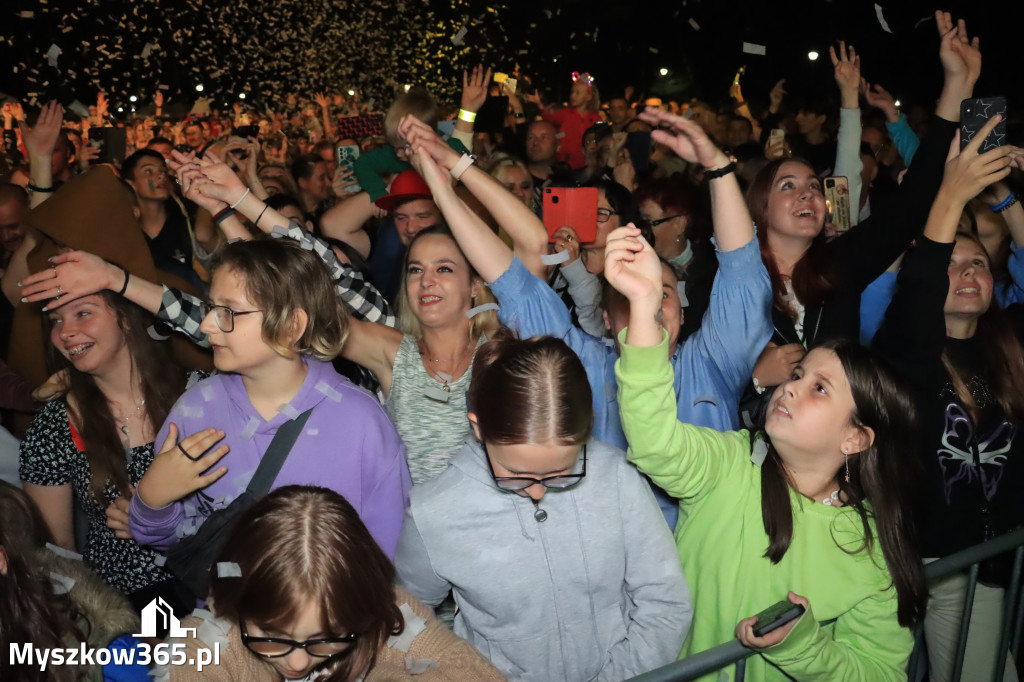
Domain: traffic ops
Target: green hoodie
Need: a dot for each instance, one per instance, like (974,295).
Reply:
(722,542)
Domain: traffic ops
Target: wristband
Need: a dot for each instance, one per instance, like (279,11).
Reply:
(467,116)
(1005,203)
(223,215)
(465,162)
(257,222)
(42,190)
(719,172)
(124,287)
(247,190)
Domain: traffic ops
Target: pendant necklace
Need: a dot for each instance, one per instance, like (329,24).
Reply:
(444,377)
(123,421)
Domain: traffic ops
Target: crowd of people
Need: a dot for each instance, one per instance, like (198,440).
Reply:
(335,386)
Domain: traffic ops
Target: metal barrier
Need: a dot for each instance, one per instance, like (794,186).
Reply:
(734,653)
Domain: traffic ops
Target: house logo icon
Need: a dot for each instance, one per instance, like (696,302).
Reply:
(157,616)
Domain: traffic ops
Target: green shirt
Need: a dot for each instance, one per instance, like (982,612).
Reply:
(369,167)
(722,544)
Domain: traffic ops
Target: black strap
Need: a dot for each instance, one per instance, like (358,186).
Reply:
(277,452)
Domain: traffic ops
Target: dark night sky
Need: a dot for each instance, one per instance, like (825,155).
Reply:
(634,40)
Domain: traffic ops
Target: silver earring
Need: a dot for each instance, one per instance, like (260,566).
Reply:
(847,454)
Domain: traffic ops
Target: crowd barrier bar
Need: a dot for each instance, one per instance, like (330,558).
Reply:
(734,653)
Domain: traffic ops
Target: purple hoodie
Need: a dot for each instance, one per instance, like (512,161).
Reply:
(348,445)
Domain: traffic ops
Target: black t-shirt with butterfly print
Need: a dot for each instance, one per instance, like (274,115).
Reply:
(973,466)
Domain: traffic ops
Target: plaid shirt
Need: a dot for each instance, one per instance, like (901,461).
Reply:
(182,311)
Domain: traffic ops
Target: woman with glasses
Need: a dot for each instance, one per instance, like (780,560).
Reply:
(309,595)
(552,545)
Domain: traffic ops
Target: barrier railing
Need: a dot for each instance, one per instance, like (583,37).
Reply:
(734,653)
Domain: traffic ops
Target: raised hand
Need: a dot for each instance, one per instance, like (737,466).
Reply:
(41,139)
(631,265)
(178,470)
(158,99)
(474,88)
(775,364)
(207,177)
(960,56)
(101,105)
(322,100)
(967,173)
(423,139)
(435,175)
(846,72)
(55,386)
(879,97)
(685,138)
(566,239)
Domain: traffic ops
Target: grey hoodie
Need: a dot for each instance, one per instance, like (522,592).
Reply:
(594,592)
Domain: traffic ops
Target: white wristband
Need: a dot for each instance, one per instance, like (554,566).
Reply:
(465,162)
(247,190)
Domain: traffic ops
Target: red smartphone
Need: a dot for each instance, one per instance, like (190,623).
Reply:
(572,206)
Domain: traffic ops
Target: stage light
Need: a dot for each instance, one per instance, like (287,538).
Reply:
(199,88)
(897,103)
(133,98)
(663,71)
(241,95)
(812,55)
(351,93)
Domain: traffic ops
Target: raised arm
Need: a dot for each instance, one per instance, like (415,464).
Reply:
(40,141)
(529,236)
(732,223)
(848,164)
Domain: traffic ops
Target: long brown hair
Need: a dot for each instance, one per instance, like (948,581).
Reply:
(162,384)
(29,610)
(1004,355)
(300,543)
(882,479)
(812,279)
(530,391)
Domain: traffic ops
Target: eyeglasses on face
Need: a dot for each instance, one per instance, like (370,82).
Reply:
(557,482)
(223,315)
(276,647)
(603,214)
(659,221)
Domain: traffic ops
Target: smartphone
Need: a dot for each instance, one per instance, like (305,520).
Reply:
(638,143)
(975,113)
(775,616)
(510,85)
(572,206)
(245,132)
(837,198)
(777,136)
(491,116)
(346,154)
(112,143)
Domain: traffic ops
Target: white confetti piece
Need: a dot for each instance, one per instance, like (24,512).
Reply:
(328,391)
(418,666)
(414,625)
(753,48)
(228,569)
(653,50)
(694,24)
(159,559)
(52,54)
(288,411)
(482,308)
(61,583)
(61,552)
(881,18)
(555,258)
(250,429)
(460,37)
(27,14)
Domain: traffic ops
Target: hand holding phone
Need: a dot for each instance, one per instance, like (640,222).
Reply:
(572,206)
(837,198)
(775,616)
(975,113)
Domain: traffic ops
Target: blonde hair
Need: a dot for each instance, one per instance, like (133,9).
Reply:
(407,320)
(280,277)
(417,102)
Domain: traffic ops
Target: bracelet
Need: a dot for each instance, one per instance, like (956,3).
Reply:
(467,116)
(223,215)
(1005,203)
(37,188)
(247,190)
(465,162)
(719,172)
(124,287)
(257,223)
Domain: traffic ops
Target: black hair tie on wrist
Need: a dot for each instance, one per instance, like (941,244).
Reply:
(124,287)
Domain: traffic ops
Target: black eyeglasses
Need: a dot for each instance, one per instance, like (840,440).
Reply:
(276,647)
(603,214)
(223,315)
(557,482)
(659,221)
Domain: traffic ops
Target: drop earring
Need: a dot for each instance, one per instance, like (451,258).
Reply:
(847,455)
